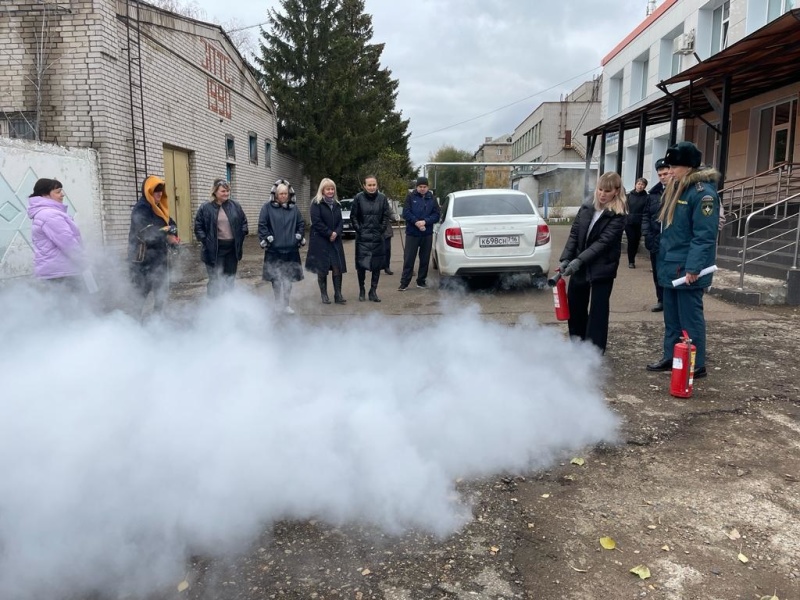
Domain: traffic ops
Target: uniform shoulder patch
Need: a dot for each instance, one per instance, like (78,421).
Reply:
(699,187)
(707,205)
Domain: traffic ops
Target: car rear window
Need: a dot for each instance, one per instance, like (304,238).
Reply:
(502,204)
(346,204)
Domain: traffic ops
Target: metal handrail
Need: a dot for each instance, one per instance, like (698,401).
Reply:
(774,205)
(751,189)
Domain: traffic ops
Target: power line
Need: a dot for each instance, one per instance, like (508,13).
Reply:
(486,114)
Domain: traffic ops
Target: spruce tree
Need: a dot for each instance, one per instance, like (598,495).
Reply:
(336,105)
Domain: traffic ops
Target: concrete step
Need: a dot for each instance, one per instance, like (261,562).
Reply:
(770,270)
(757,289)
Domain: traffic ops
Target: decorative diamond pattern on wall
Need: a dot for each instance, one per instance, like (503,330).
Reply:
(9,212)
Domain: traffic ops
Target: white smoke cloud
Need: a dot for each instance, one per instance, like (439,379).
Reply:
(124,448)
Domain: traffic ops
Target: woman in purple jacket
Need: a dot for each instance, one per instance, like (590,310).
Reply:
(57,245)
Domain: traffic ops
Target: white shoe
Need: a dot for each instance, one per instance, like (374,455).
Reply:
(288,310)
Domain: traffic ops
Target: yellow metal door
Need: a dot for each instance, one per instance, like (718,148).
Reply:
(176,174)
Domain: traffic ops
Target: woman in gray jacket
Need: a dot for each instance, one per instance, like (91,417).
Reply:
(280,231)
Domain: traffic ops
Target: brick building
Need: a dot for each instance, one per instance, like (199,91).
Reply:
(198,114)
(494,150)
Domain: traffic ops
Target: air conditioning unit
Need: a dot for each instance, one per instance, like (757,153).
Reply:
(684,43)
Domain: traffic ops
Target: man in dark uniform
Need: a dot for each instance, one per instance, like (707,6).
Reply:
(651,226)
(690,219)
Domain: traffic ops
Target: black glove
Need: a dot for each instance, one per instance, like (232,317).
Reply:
(563,266)
(573,267)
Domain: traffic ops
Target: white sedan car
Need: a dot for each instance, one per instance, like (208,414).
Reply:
(488,232)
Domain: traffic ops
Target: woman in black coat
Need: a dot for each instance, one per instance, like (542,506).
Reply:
(591,257)
(325,250)
(280,233)
(370,216)
(220,226)
(637,203)
(152,234)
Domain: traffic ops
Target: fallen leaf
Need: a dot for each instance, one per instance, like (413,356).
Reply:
(183,586)
(608,543)
(366,572)
(642,571)
(665,548)
(773,597)
(578,461)
(651,526)
(494,549)
(578,570)
(545,495)
(733,534)
(743,558)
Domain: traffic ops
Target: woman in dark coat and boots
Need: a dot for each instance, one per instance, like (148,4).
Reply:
(690,221)
(370,216)
(151,235)
(591,257)
(325,250)
(280,233)
(637,202)
(220,226)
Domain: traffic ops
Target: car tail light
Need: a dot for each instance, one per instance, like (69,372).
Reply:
(542,235)
(453,238)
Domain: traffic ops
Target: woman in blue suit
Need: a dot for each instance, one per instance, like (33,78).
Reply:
(690,219)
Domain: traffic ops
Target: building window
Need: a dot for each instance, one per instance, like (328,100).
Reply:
(720,19)
(615,94)
(19,125)
(775,8)
(267,154)
(230,148)
(252,139)
(775,142)
(230,175)
(639,74)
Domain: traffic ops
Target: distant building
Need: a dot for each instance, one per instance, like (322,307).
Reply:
(494,150)
(554,132)
(151,92)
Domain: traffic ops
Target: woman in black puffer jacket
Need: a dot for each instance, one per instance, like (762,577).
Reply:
(637,203)
(591,257)
(370,216)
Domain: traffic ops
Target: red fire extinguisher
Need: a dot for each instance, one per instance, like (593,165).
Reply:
(683,356)
(560,301)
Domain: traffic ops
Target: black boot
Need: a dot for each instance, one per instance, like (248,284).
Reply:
(373,287)
(362,293)
(322,280)
(337,290)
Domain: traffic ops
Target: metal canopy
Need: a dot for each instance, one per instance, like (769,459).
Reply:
(765,60)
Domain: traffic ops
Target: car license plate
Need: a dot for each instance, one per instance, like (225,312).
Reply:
(498,240)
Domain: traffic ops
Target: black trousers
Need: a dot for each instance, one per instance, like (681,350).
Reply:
(659,289)
(387,252)
(150,278)
(362,277)
(413,244)
(222,275)
(633,231)
(589,308)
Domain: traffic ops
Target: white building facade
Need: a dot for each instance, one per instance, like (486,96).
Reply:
(679,35)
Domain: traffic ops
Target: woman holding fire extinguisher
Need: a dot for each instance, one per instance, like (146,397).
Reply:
(591,258)
(690,220)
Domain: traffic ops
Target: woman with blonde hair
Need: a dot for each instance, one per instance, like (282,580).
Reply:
(325,250)
(591,258)
(689,222)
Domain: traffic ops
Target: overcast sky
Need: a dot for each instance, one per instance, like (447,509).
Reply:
(461,63)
